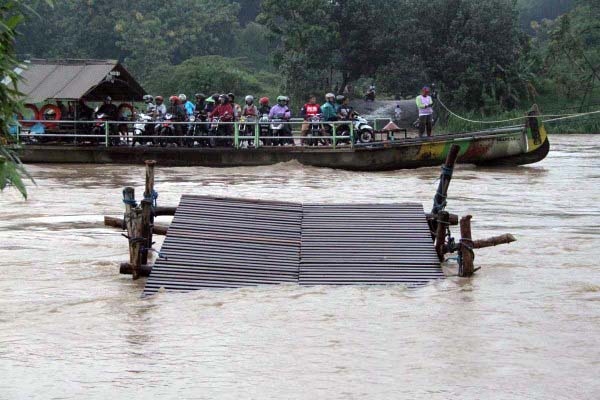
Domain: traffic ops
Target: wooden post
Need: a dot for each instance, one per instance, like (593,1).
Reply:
(130,204)
(439,201)
(136,242)
(466,268)
(440,234)
(147,214)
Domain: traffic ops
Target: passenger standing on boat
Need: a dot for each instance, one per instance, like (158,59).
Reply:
(425,106)
(264,107)
(310,110)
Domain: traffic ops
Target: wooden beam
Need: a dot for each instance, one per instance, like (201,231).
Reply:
(157,229)
(494,241)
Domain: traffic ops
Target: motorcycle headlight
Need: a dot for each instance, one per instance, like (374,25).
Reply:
(192,119)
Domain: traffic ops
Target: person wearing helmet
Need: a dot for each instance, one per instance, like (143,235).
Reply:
(425,106)
(200,101)
(108,108)
(281,111)
(328,109)
(250,109)
(223,110)
(188,106)
(149,101)
(237,109)
(160,108)
(308,111)
(264,107)
(209,105)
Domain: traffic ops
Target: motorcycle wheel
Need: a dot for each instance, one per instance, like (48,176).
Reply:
(366,136)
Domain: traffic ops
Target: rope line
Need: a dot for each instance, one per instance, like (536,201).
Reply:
(556,117)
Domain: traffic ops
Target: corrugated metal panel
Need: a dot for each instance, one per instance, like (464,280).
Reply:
(44,80)
(367,244)
(228,243)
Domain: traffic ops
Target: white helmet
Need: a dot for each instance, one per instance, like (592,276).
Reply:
(329,95)
(250,99)
(148,98)
(182,98)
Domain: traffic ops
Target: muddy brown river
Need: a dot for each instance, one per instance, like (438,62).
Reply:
(526,327)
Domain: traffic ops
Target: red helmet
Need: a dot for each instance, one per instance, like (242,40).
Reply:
(174,99)
(158,98)
(264,100)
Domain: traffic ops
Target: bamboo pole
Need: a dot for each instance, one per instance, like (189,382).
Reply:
(465,248)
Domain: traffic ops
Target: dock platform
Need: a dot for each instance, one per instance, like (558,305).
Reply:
(216,242)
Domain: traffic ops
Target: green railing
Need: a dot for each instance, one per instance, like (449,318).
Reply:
(254,133)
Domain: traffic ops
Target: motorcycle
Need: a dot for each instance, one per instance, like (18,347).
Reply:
(217,128)
(279,130)
(198,131)
(363,132)
(99,129)
(263,126)
(166,129)
(314,131)
(142,128)
(246,128)
(370,95)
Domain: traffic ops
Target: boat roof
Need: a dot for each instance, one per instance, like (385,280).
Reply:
(73,79)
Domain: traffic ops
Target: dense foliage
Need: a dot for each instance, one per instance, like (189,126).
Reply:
(484,55)
(11,169)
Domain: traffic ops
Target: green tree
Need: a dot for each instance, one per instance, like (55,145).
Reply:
(11,169)
(208,74)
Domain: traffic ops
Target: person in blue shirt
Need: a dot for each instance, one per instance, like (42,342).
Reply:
(188,105)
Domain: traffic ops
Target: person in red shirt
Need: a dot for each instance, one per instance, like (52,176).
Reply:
(310,109)
(224,110)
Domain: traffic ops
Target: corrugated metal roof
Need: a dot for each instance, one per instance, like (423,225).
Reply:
(231,243)
(74,79)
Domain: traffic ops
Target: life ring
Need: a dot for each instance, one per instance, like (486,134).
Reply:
(36,115)
(122,108)
(57,113)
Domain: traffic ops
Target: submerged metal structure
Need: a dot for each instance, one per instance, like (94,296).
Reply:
(217,242)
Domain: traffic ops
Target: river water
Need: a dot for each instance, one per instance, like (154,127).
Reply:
(526,327)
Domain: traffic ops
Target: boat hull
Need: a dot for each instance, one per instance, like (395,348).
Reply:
(504,148)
